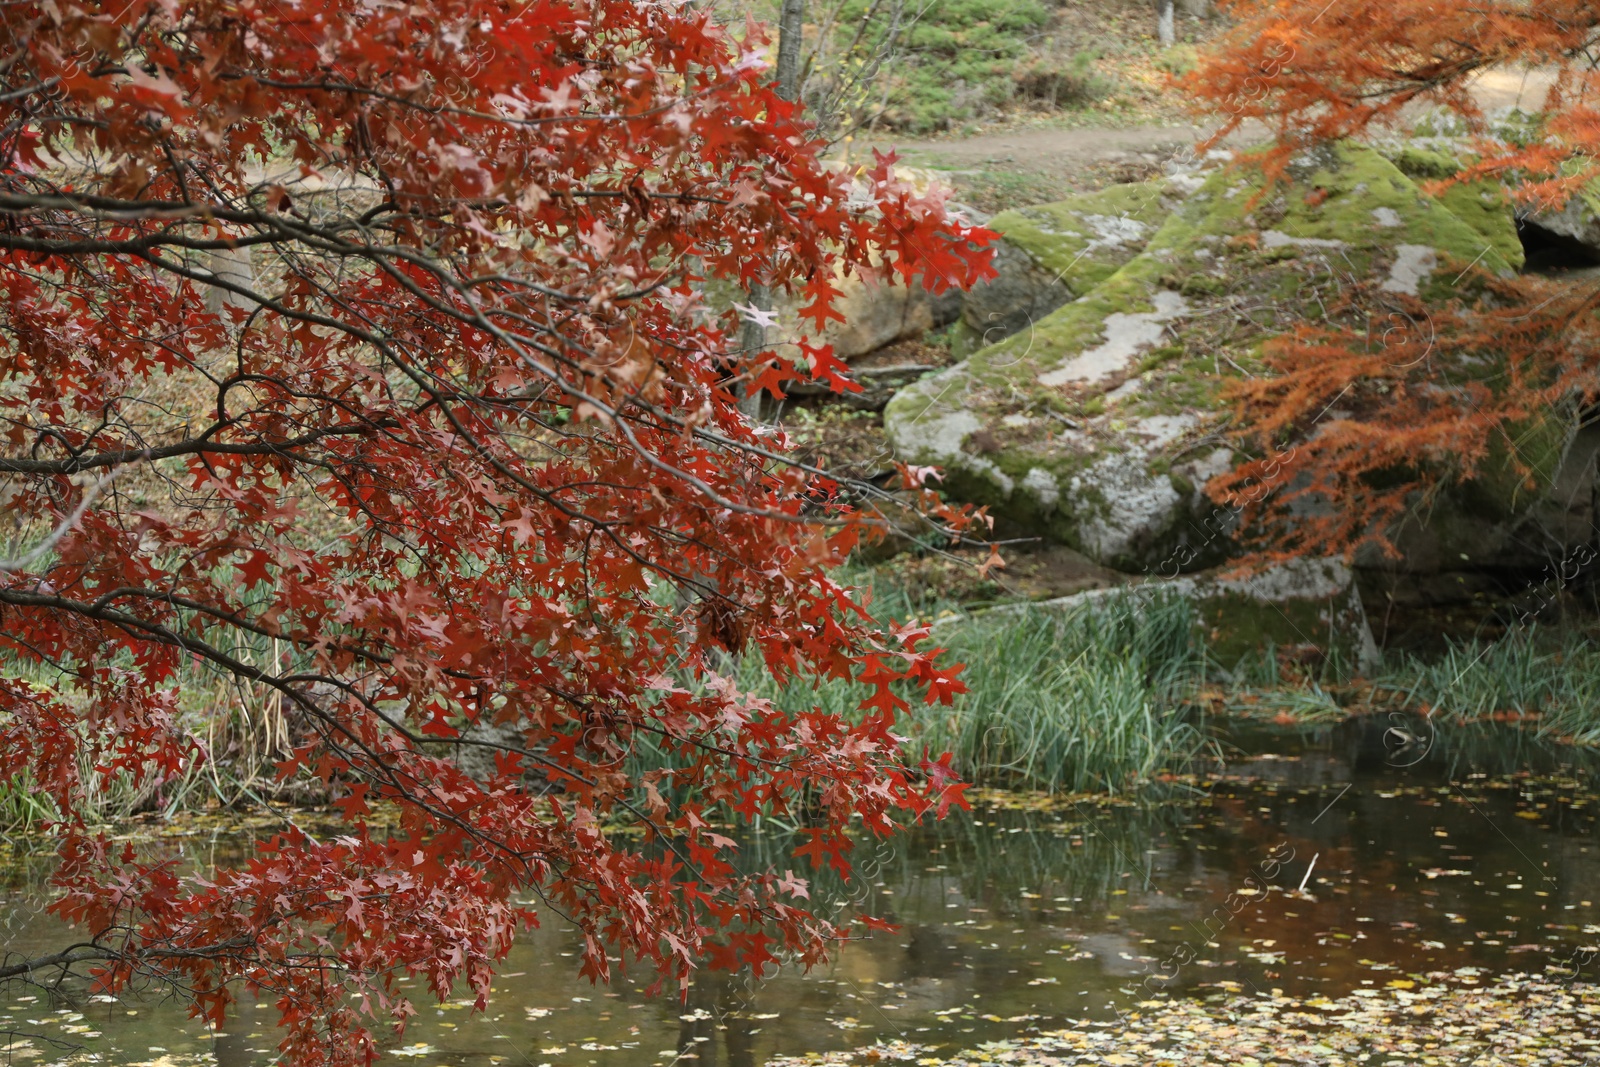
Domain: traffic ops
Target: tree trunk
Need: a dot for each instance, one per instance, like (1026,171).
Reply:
(791,30)
(230,265)
(791,24)
(753,340)
(1165,28)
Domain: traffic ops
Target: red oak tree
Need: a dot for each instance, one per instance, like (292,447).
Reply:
(370,333)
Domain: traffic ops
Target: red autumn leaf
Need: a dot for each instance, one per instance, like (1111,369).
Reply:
(406,441)
(823,294)
(829,369)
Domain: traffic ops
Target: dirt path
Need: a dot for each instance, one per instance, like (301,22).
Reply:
(1064,151)
(1046,149)
(1010,167)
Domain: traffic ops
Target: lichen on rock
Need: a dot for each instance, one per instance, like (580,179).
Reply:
(1099,426)
(1052,253)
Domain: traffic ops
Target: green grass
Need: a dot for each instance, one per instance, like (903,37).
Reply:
(1087,699)
(21,807)
(1555,676)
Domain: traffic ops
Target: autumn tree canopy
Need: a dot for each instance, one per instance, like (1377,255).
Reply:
(1430,397)
(369,334)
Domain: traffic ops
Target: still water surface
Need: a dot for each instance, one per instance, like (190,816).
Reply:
(1474,849)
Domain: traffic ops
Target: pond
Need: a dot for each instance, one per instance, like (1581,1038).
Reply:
(1321,862)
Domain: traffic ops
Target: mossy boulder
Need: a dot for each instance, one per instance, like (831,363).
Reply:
(1486,206)
(1056,251)
(1099,426)
(1085,239)
(1053,253)
(1311,607)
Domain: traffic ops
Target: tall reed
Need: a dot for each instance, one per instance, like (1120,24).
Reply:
(241,732)
(1533,672)
(1087,698)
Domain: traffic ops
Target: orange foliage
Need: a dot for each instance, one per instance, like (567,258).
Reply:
(1403,407)
(1406,404)
(1316,72)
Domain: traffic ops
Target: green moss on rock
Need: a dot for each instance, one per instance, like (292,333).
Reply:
(1483,205)
(1084,239)
(1141,356)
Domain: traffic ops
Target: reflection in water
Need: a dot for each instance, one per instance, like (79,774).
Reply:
(1461,857)
(714,1022)
(231,1048)
(929,954)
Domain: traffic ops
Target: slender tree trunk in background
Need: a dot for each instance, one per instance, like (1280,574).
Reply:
(791,23)
(752,339)
(791,28)
(1165,28)
(230,265)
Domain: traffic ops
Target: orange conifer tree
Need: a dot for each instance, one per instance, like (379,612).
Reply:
(1431,397)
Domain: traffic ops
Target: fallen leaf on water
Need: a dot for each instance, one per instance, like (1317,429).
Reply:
(1516,1018)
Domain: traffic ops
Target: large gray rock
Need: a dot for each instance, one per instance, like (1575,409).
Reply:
(1023,293)
(1048,254)
(1578,220)
(1100,426)
(879,315)
(1494,523)
(876,315)
(1312,606)
(1052,253)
